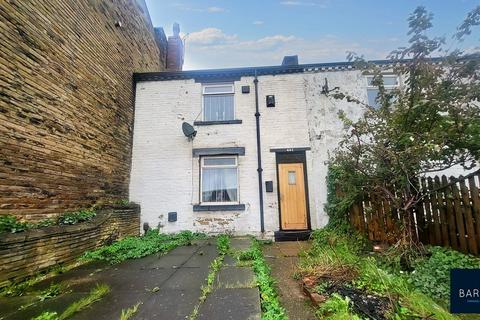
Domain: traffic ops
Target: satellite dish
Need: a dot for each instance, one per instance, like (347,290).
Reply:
(188,131)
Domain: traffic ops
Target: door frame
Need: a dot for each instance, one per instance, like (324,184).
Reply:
(292,157)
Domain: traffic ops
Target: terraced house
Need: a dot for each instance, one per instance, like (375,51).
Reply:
(252,156)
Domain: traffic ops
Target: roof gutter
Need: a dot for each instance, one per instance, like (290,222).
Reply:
(259,155)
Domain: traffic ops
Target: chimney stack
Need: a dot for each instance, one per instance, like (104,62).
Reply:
(175,50)
(290,61)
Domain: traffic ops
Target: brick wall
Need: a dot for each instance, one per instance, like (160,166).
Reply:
(26,253)
(66,102)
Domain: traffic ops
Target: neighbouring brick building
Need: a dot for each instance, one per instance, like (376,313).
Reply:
(66,100)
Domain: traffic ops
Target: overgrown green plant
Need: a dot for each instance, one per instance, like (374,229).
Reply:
(338,204)
(223,247)
(342,259)
(52,291)
(223,244)
(137,247)
(336,308)
(271,307)
(10,223)
(47,315)
(95,295)
(76,217)
(130,312)
(432,273)
(430,122)
(122,202)
(15,289)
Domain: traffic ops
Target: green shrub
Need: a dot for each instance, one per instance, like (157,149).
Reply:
(336,308)
(10,223)
(137,247)
(432,274)
(76,217)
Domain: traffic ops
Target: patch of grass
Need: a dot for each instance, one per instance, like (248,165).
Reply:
(130,312)
(138,247)
(336,308)
(223,247)
(271,307)
(95,295)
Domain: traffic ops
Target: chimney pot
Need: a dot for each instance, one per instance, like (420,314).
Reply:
(290,60)
(175,50)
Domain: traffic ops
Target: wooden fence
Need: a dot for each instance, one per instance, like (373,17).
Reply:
(448,215)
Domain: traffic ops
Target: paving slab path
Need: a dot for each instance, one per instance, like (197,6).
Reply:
(166,286)
(236,295)
(282,258)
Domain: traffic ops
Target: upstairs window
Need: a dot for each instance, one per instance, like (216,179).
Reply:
(219,180)
(218,102)
(389,82)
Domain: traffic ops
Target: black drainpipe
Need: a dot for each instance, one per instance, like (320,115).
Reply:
(259,155)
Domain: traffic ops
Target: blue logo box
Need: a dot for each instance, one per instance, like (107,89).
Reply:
(465,291)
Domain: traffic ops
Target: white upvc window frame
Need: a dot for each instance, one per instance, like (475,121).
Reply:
(387,87)
(202,166)
(228,91)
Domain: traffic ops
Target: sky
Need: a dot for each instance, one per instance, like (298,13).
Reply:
(239,33)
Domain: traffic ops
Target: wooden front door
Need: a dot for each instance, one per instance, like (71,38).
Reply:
(293,207)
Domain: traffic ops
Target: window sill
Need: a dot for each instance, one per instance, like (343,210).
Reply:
(211,123)
(220,207)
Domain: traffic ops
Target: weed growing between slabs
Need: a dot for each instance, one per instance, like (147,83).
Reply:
(95,295)
(130,312)
(271,307)
(138,247)
(223,247)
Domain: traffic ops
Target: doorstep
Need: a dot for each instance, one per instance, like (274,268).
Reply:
(300,235)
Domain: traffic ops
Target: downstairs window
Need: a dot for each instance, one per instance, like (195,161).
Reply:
(219,180)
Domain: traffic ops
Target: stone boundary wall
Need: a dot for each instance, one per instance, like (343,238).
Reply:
(66,101)
(26,253)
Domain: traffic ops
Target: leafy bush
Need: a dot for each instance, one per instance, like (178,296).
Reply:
(137,247)
(336,308)
(76,217)
(10,223)
(432,274)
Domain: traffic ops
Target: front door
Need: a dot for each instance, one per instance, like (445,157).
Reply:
(293,208)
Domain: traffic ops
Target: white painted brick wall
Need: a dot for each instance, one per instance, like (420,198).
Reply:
(165,177)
